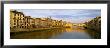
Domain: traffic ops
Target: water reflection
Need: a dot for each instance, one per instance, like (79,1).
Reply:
(93,34)
(61,33)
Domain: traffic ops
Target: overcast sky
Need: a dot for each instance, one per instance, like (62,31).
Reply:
(70,15)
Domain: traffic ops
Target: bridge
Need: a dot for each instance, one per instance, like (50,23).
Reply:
(79,24)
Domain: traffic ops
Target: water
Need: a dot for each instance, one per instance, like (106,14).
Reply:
(61,33)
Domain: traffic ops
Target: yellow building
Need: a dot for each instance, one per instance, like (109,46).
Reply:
(68,24)
(27,21)
(37,22)
(32,23)
(12,15)
(20,21)
(64,23)
(57,23)
(49,22)
(54,23)
(16,19)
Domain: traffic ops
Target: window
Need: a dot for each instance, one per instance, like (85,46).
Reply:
(14,23)
(99,21)
(14,27)
(15,14)
(14,20)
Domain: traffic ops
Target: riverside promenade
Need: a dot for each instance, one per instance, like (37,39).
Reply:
(30,29)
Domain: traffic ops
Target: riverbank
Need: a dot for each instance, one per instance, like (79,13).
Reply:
(33,29)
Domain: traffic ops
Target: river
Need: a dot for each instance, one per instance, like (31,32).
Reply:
(60,33)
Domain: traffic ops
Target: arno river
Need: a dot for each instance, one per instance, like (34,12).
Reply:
(61,33)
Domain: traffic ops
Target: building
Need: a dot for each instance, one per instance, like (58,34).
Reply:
(44,22)
(19,21)
(16,19)
(32,23)
(38,22)
(54,23)
(49,22)
(12,20)
(27,22)
(68,24)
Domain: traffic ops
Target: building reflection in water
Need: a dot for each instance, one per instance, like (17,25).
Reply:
(47,34)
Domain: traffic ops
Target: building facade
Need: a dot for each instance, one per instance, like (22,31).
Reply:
(16,19)
(19,20)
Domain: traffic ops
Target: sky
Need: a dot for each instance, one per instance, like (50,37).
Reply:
(69,15)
